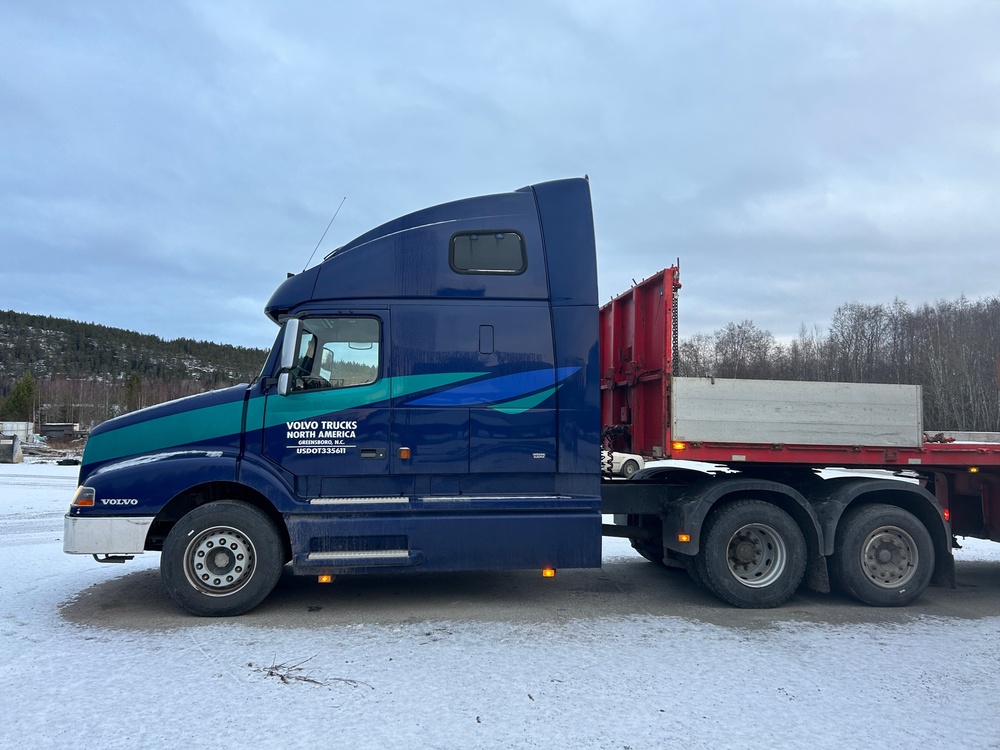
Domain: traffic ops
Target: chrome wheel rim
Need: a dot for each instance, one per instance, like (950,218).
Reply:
(756,555)
(889,557)
(219,561)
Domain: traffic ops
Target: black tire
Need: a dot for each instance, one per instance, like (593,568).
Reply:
(629,468)
(752,554)
(221,559)
(883,556)
(690,565)
(651,549)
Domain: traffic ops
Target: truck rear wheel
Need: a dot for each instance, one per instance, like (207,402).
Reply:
(690,565)
(651,548)
(221,559)
(884,556)
(752,554)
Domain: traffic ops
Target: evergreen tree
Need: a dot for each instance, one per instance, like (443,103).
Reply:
(20,404)
(133,393)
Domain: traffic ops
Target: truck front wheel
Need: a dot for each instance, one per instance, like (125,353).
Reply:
(221,559)
(884,556)
(752,554)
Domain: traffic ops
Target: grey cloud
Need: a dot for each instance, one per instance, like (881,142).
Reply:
(794,155)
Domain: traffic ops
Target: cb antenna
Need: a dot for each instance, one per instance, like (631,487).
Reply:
(324,234)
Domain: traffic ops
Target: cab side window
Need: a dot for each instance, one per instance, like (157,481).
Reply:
(338,352)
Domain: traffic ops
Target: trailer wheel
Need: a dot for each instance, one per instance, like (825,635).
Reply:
(752,554)
(884,556)
(629,468)
(221,559)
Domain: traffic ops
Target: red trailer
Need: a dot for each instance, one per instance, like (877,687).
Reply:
(767,509)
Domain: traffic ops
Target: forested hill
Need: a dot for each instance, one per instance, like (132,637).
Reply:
(53,347)
(59,370)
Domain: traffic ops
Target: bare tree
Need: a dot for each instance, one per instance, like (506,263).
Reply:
(950,348)
(742,350)
(696,356)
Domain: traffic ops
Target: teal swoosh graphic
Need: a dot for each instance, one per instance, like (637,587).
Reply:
(404,385)
(311,404)
(498,389)
(521,405)
(213,422)
(193,426)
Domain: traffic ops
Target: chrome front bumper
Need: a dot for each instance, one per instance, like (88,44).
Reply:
(89,535)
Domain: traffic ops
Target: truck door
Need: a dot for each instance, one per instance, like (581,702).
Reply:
(492,410)
(331,431)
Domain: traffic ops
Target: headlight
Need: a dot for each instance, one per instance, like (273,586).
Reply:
(84,496)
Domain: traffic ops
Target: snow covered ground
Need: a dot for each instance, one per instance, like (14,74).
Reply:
(581,681)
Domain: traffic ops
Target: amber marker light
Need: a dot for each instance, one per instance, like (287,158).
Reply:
(404,453)
(326,578)
(685,538)
(548,572)
(973,469)
(677,445)
(84,497)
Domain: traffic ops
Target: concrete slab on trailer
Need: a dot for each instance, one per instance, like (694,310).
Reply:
(725,410)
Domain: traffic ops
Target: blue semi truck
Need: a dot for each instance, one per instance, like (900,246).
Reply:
(437,399)
(430,403)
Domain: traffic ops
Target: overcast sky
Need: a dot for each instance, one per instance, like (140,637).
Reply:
(164,164)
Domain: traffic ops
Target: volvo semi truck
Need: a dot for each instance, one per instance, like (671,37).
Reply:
(438,397)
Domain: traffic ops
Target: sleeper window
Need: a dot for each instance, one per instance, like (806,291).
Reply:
(488,252)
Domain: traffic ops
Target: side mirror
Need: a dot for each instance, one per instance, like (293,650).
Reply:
(289,348)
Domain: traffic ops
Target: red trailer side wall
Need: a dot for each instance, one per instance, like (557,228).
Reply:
(638,335)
